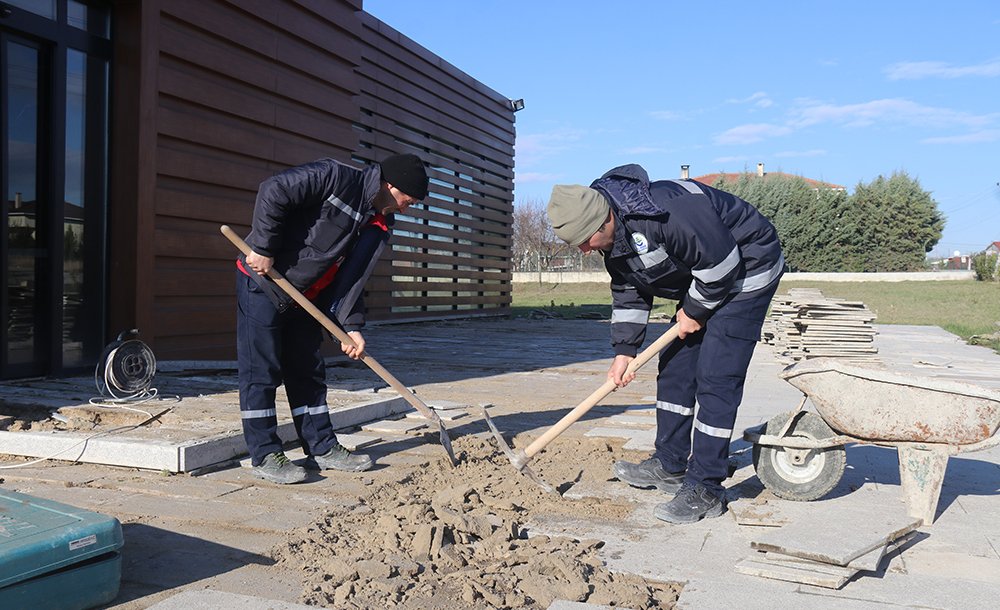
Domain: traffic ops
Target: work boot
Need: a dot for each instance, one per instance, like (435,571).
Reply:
(692,503)
(277,468)
(339,458)
(649,473)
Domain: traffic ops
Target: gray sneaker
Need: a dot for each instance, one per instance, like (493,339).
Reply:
(277,468)
(339,458)
(692,503)
(649,473)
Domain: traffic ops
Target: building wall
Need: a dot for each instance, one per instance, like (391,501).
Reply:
(215,96)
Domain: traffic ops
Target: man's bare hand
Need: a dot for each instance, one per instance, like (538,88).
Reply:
(617,372)
(686,325)
(358,349)
(259,263)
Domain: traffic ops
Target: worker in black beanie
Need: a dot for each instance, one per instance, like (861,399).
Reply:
(322,225)
(407,173)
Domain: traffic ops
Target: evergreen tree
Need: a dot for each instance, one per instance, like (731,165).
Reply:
(897,224)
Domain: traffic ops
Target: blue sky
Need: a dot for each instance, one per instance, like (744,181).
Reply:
(837,91)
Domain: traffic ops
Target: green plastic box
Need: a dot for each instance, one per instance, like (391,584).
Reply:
(54,555)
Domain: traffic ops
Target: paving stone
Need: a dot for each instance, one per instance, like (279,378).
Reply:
(394,426)
(562,604)
(642,440)
(631,420)
(610,432)
(444,415)
(219,600)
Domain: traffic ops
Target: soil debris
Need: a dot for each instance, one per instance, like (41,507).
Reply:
(452,538)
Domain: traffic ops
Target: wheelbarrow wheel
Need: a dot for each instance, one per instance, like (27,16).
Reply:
(799,474)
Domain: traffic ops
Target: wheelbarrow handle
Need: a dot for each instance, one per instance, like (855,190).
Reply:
(600,393)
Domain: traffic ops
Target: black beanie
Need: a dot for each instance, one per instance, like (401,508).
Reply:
(406,172)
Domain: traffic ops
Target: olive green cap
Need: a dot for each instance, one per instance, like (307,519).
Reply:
(576,212)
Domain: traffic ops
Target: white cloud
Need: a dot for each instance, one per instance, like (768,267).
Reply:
(754,132)
(534,147)
(816,152)
(666,115)
(915,70)
(884,111)
(759,99)
(988,135)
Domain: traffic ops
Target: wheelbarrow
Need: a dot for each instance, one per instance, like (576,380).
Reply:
(800,455)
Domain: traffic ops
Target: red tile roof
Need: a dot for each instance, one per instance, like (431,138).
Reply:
(710,179)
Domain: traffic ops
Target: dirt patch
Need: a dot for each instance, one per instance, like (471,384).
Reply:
(453,538)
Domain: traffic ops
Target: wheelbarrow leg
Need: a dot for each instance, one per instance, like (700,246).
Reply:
(921,473)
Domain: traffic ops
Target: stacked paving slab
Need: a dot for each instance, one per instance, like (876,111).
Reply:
(805,324)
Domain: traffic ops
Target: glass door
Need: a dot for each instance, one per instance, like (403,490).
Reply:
(23,241)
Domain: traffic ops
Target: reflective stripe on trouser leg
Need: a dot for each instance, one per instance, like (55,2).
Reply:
(305,382)
(729,341)
(675,399)
(258,343)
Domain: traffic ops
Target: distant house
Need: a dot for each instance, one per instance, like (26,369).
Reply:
(710,179)
(958,262)
(993,248)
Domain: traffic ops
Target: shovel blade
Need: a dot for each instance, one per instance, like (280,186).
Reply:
(517,461)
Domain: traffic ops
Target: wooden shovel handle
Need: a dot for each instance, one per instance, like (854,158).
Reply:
(335,330)
(600,393)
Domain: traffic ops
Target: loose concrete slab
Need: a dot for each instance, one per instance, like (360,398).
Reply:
(809,573)
(840,540)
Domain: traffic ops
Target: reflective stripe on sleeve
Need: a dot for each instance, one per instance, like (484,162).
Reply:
(343,207)
(760,280)
(716,273)
(635,316)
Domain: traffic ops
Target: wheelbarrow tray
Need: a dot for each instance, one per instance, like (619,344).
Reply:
(881,405)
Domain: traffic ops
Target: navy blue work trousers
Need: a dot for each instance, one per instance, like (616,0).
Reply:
(708,368)
(274,348)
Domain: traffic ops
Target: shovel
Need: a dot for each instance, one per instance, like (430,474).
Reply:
(520,457)
(343,337)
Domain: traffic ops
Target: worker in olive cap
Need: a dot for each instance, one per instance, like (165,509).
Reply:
(720,259)
(323,226)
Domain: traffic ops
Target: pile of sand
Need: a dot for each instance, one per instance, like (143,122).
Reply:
(451,538)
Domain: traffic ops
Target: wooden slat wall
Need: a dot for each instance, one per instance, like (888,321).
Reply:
(240,89)
(450,255)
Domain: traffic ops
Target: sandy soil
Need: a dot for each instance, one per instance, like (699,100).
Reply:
(454,538)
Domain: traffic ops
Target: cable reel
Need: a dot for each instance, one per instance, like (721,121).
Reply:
(125,369)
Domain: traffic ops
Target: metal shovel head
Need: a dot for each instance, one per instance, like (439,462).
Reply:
(518,461)
(446,442)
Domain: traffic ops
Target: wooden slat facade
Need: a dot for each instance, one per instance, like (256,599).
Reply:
(214,96)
